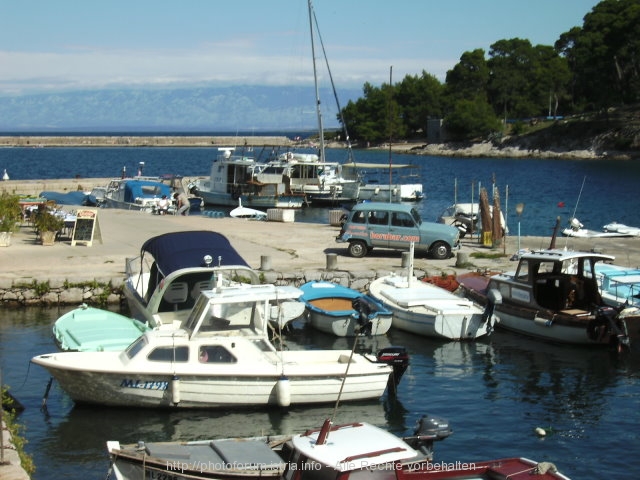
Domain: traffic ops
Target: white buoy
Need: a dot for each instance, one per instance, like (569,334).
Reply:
(283,391)
(541,432)
(175,390)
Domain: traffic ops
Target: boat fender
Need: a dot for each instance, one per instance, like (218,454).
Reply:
(175,390)
(283,391)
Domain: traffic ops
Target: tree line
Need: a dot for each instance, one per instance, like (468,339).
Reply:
(589,68)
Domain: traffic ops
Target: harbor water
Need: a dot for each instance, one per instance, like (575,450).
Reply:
(495,392)
(597,192)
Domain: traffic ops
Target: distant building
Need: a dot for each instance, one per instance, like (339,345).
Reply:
(436,132)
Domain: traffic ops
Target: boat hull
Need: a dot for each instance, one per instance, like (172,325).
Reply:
(310,381)
(346,325)
(254,201)
(431,311)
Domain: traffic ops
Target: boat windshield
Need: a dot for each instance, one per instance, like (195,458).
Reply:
(133,349)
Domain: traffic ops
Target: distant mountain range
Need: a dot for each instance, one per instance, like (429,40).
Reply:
(199,109)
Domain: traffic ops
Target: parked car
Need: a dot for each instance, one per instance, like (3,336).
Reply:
(395,225)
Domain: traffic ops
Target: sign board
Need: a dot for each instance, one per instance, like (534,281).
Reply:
(86,227)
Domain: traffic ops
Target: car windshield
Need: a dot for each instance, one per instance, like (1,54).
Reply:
(416,216)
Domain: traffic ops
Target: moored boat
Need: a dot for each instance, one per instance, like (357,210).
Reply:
(333,452)
(554,295)
(135,194)
(619,286)
(222,356)
(86,329)
(342,311)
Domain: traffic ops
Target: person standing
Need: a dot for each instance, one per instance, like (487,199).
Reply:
(183,204)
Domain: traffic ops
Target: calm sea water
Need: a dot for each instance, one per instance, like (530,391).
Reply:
(598,191)
(495,392)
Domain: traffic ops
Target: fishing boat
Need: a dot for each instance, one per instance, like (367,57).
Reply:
(576,229)
(554,295)
(88,329)
(164,280)
(332,452)
(619,286)
(135,194)
(233,177)
(342,311)
(222,357)
(622,229)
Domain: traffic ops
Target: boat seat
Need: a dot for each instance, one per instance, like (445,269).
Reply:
(199,287)
(177,293)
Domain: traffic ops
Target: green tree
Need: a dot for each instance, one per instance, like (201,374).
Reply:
(471,118)
(604,55)
(469,78)
(419,99)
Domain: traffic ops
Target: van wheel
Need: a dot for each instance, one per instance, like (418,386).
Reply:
(440,251)
(357,248)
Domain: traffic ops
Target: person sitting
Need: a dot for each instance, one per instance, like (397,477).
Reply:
(163,205)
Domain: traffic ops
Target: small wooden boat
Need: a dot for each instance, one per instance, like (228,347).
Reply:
(333,452)
(344,312)
(88,329)
(554,295)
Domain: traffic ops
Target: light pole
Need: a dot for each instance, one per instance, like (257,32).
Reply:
(519,210)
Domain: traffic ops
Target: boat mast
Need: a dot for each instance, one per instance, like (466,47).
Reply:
(315,79)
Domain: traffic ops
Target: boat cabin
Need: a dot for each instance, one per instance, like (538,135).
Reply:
(554,280)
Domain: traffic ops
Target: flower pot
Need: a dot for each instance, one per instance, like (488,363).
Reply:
(48,238)
(5,239)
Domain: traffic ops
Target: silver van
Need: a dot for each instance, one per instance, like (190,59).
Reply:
(395,225)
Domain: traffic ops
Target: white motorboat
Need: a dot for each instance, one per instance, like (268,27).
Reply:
(222,357)
(233,177)
(164,280)
(246,212)
(576,229)
(622,229)
(344,312)
(554,295)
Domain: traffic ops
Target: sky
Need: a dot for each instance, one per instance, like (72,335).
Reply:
(64,45)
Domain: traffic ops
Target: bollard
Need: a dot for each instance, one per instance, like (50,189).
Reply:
(332,261)
(265,262)
(462,259)
(406,256)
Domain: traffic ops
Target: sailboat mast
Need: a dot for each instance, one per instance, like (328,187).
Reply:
(315,79)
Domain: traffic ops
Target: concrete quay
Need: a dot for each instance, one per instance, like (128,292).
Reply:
(296,253)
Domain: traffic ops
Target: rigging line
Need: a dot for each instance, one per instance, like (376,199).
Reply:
(344,378)
(315,80)
(579,195)
(335,93)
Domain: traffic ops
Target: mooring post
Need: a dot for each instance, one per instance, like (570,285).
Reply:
(332,261)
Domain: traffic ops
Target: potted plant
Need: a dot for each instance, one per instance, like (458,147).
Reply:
(48,225)
(10,217)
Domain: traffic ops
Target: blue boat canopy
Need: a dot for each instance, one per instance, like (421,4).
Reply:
(177,250)
(145,189)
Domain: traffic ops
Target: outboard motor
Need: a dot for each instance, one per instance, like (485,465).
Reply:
(398,358)
(363,308)
(428,429)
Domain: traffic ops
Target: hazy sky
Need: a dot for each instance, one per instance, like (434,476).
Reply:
(54,45)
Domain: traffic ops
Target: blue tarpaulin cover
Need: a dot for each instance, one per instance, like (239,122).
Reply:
(176,250)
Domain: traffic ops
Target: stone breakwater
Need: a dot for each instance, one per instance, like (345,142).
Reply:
(142,141)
